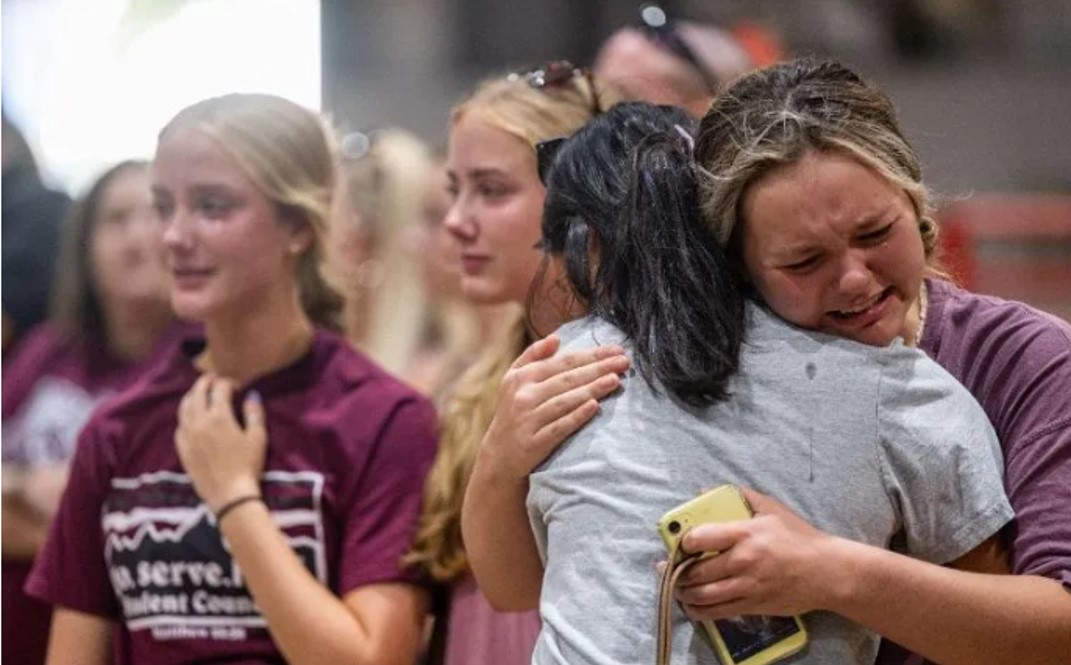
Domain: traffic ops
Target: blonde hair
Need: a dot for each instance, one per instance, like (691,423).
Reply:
(288,152)
(385,182)
(775,116)
(465,417)
(536,114)
(532,114)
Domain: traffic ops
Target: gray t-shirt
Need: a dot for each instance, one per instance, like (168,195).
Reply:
(866,443)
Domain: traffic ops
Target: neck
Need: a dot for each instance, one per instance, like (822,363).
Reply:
(355,316)
(490,319)
(248,345)
(554,306)
(133,329)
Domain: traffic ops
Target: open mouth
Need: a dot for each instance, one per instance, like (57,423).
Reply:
(864,311)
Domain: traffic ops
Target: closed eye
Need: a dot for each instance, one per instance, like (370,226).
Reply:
(804,264)
(877,235)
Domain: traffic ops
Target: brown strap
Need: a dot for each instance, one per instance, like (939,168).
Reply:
(679,562)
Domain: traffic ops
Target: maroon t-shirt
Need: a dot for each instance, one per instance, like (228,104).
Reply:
(51,386)
(1016,361)
(349,447)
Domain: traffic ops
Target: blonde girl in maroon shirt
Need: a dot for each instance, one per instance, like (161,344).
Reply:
(184,537)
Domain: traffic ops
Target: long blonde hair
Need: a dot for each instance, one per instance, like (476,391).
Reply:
(384,182)
(289,153)
(533,114)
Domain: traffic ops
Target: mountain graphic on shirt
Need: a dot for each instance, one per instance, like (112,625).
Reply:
(168,563)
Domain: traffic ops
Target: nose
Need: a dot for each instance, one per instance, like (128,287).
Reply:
(459,221)
(855,277)
(178,232)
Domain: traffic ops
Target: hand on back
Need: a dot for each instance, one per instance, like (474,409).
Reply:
(544,398)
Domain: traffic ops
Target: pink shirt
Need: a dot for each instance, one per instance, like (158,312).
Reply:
(348,450)
(478,635)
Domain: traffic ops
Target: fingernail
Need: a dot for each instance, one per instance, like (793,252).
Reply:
(255,397)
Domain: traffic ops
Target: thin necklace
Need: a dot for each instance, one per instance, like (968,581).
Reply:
(923,304)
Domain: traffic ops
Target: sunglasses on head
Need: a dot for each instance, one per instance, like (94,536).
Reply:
(659,30)
(546,151)
(559,74)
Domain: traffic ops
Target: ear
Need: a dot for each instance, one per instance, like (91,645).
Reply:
(300,238)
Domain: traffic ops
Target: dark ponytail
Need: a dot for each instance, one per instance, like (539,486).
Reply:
(624,191)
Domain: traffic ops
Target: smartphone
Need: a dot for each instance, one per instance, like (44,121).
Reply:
(746,640)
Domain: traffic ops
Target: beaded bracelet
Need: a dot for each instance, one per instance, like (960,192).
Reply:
(234,503)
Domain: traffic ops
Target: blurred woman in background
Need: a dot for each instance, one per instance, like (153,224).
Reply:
(109,317)
(384,176)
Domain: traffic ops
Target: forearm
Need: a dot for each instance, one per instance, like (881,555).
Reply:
(951,616)
(498,540)
(308,623)
(77,638)
(24,530)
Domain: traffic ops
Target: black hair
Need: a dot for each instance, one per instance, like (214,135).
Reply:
(622,211)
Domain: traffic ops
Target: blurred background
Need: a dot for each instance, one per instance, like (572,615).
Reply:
(983,86)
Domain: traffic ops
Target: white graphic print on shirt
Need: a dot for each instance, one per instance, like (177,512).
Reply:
(45,430)
(170,568)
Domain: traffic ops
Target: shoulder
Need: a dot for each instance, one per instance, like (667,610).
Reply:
(1014,359)
(153,395)
(348,393)
(39,343)
(346,374)
(961,316)
(37,355)
(588,331)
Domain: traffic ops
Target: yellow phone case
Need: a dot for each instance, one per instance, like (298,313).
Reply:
(746,640)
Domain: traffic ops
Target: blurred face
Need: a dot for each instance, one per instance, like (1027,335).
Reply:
(832,246)
(349,243)
(227,249)
(644,71)
(496,213)
(125,251)
(432,246)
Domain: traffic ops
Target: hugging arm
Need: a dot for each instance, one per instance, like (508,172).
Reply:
(542,400)
(967,612)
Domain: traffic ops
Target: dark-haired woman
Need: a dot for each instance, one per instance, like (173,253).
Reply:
(865,442)
(184,537)
(110,319)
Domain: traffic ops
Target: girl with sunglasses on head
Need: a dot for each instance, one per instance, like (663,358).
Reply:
(855,261)
(184,537)
(495,219)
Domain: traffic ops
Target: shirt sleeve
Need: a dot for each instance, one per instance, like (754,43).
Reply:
(940,458)
(71,570)
(1034,400)
(385,509)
